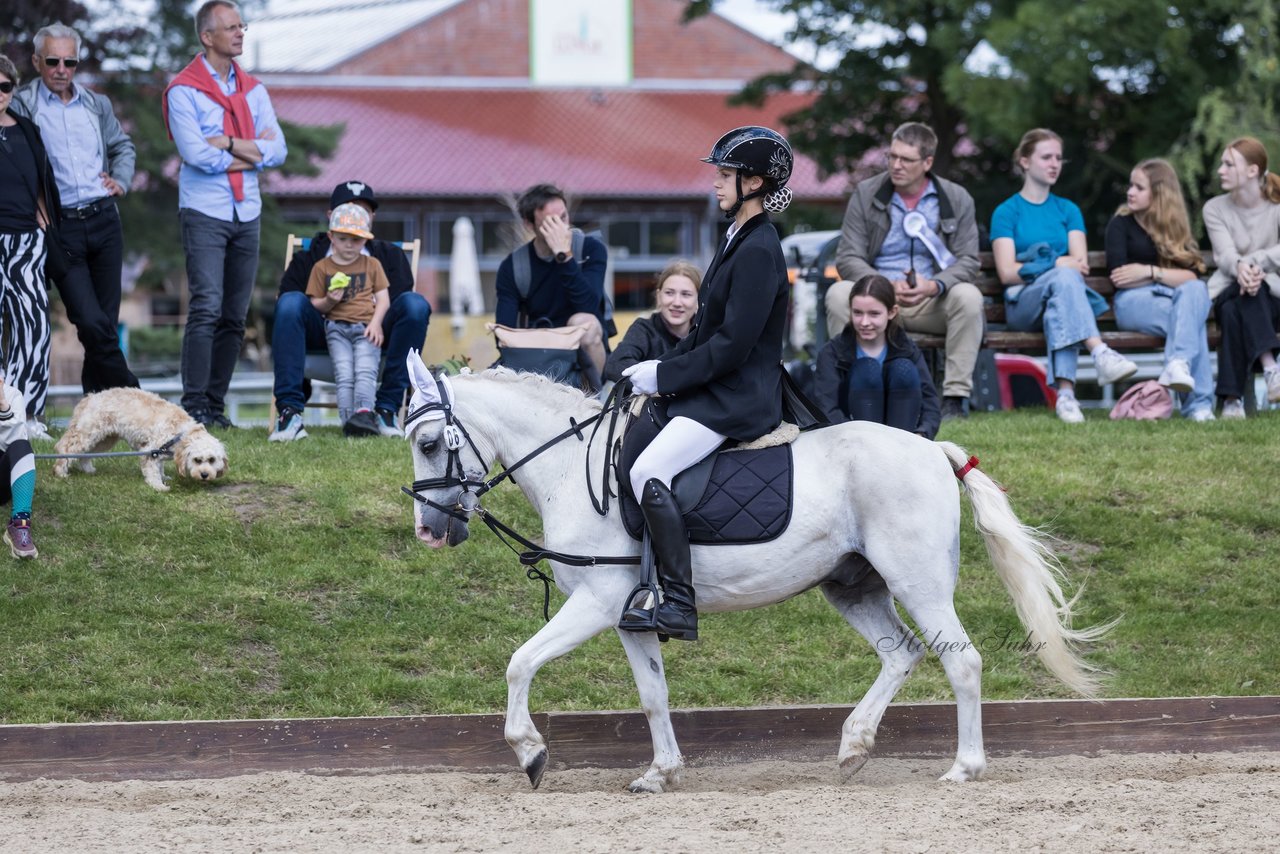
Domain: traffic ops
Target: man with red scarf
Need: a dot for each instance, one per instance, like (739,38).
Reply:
(225,128)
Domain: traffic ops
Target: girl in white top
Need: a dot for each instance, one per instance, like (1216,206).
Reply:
(1244,228)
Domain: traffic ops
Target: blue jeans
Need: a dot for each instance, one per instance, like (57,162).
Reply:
(355,365)
(1179,314)
(1056,303)
(298,328)
(886,394)
(222,262)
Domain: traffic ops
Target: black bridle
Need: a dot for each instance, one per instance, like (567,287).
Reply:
(474,486)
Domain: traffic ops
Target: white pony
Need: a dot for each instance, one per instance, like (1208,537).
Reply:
(862,491)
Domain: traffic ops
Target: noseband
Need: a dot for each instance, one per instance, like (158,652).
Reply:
(474,486)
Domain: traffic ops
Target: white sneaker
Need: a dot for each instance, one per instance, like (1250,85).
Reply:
(1233,410)
(1177,376)
(288,427)
(1112,367)
(1068,409)
(1273,384)
(1204,413)
(37,432)
(386,420)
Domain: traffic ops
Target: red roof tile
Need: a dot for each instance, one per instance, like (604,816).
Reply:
(488,142)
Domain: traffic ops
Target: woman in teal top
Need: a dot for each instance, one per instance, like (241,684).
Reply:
(1042,258)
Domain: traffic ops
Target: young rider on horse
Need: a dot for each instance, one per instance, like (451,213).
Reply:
(724,379)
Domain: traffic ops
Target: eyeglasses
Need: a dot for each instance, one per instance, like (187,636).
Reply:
(52,62)
(6,86)
(905,161)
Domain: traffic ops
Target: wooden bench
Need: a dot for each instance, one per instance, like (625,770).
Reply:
(1005,340)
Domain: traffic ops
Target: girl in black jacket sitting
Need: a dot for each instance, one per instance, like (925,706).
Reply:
(873,371)
(650,337)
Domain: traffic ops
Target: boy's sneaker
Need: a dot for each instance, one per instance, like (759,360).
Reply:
(1068,409)
(1233,410)
(1202,414)
(1112,367)
(386,420)
(18,536)
(1273,384)
(288,426)
(1177,376)
(220,421)
(361,423)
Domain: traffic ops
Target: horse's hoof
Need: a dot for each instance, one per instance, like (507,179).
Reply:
(961,774)
(642,786)
(852,764)
(537,768)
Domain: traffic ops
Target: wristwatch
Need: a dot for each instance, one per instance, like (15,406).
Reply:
(561,257)
(231,141)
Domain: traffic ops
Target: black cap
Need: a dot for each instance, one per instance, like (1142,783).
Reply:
(353,191)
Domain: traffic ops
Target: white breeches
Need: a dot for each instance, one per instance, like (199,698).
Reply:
(681,444)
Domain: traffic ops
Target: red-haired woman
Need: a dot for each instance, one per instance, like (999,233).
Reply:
(1244,228)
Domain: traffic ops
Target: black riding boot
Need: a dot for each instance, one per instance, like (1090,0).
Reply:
(677,615)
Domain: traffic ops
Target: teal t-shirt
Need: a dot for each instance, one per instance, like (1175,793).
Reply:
(1028,224)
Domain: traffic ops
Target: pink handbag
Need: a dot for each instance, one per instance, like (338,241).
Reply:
(1145,401)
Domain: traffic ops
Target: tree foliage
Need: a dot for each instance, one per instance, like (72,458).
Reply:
(1119,80)
(1246,107)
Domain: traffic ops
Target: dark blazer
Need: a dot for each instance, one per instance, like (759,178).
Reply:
(647,338)
(392,258)
(45,184)
(726,374)
(831,381)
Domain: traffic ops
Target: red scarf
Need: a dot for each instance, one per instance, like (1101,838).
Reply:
(237,119)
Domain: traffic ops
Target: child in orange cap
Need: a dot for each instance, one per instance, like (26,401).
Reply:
(349,288)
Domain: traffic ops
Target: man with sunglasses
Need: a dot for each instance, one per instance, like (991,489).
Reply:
(93,161)
(919,231)
(226,132)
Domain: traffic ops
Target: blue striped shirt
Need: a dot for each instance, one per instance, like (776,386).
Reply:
(202,180)
(74,145)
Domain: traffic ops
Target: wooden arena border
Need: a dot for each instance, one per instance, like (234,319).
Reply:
(209,749)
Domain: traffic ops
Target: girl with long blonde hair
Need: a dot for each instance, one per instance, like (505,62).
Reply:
(1157,270)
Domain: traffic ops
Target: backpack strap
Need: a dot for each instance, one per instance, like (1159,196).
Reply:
(522,271)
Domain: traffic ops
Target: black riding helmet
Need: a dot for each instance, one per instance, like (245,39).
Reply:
(755,150)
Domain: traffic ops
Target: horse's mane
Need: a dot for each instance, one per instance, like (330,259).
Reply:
(572,397)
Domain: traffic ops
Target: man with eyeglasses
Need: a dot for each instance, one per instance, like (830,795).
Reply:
(225,128)
(93,160)
(919,231)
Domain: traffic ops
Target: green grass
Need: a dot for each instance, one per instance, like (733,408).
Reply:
(295,587)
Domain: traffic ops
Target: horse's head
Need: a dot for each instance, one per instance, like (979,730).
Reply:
(447,467)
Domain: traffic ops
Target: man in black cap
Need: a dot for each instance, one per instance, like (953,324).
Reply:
(299,327)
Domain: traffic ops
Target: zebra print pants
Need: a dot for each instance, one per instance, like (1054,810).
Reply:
(24,314)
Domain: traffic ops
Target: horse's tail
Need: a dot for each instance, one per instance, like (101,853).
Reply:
(1032,575)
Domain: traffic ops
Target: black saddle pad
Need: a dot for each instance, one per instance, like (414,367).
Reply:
(732,497)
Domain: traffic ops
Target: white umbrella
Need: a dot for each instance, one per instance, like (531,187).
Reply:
(465,296)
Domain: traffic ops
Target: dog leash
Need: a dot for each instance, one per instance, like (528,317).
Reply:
(164,452)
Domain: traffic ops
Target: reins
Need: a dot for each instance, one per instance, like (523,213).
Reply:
(455,436)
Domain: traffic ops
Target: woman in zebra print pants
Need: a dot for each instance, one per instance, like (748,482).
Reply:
(28,201)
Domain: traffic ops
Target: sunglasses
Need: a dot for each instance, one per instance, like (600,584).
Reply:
(6,86)
(52,62)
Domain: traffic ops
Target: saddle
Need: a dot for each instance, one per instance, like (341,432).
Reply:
(735,496)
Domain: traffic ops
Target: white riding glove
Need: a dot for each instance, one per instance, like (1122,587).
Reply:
(643,376)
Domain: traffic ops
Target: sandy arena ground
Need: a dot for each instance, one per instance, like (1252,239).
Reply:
(1205,802)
